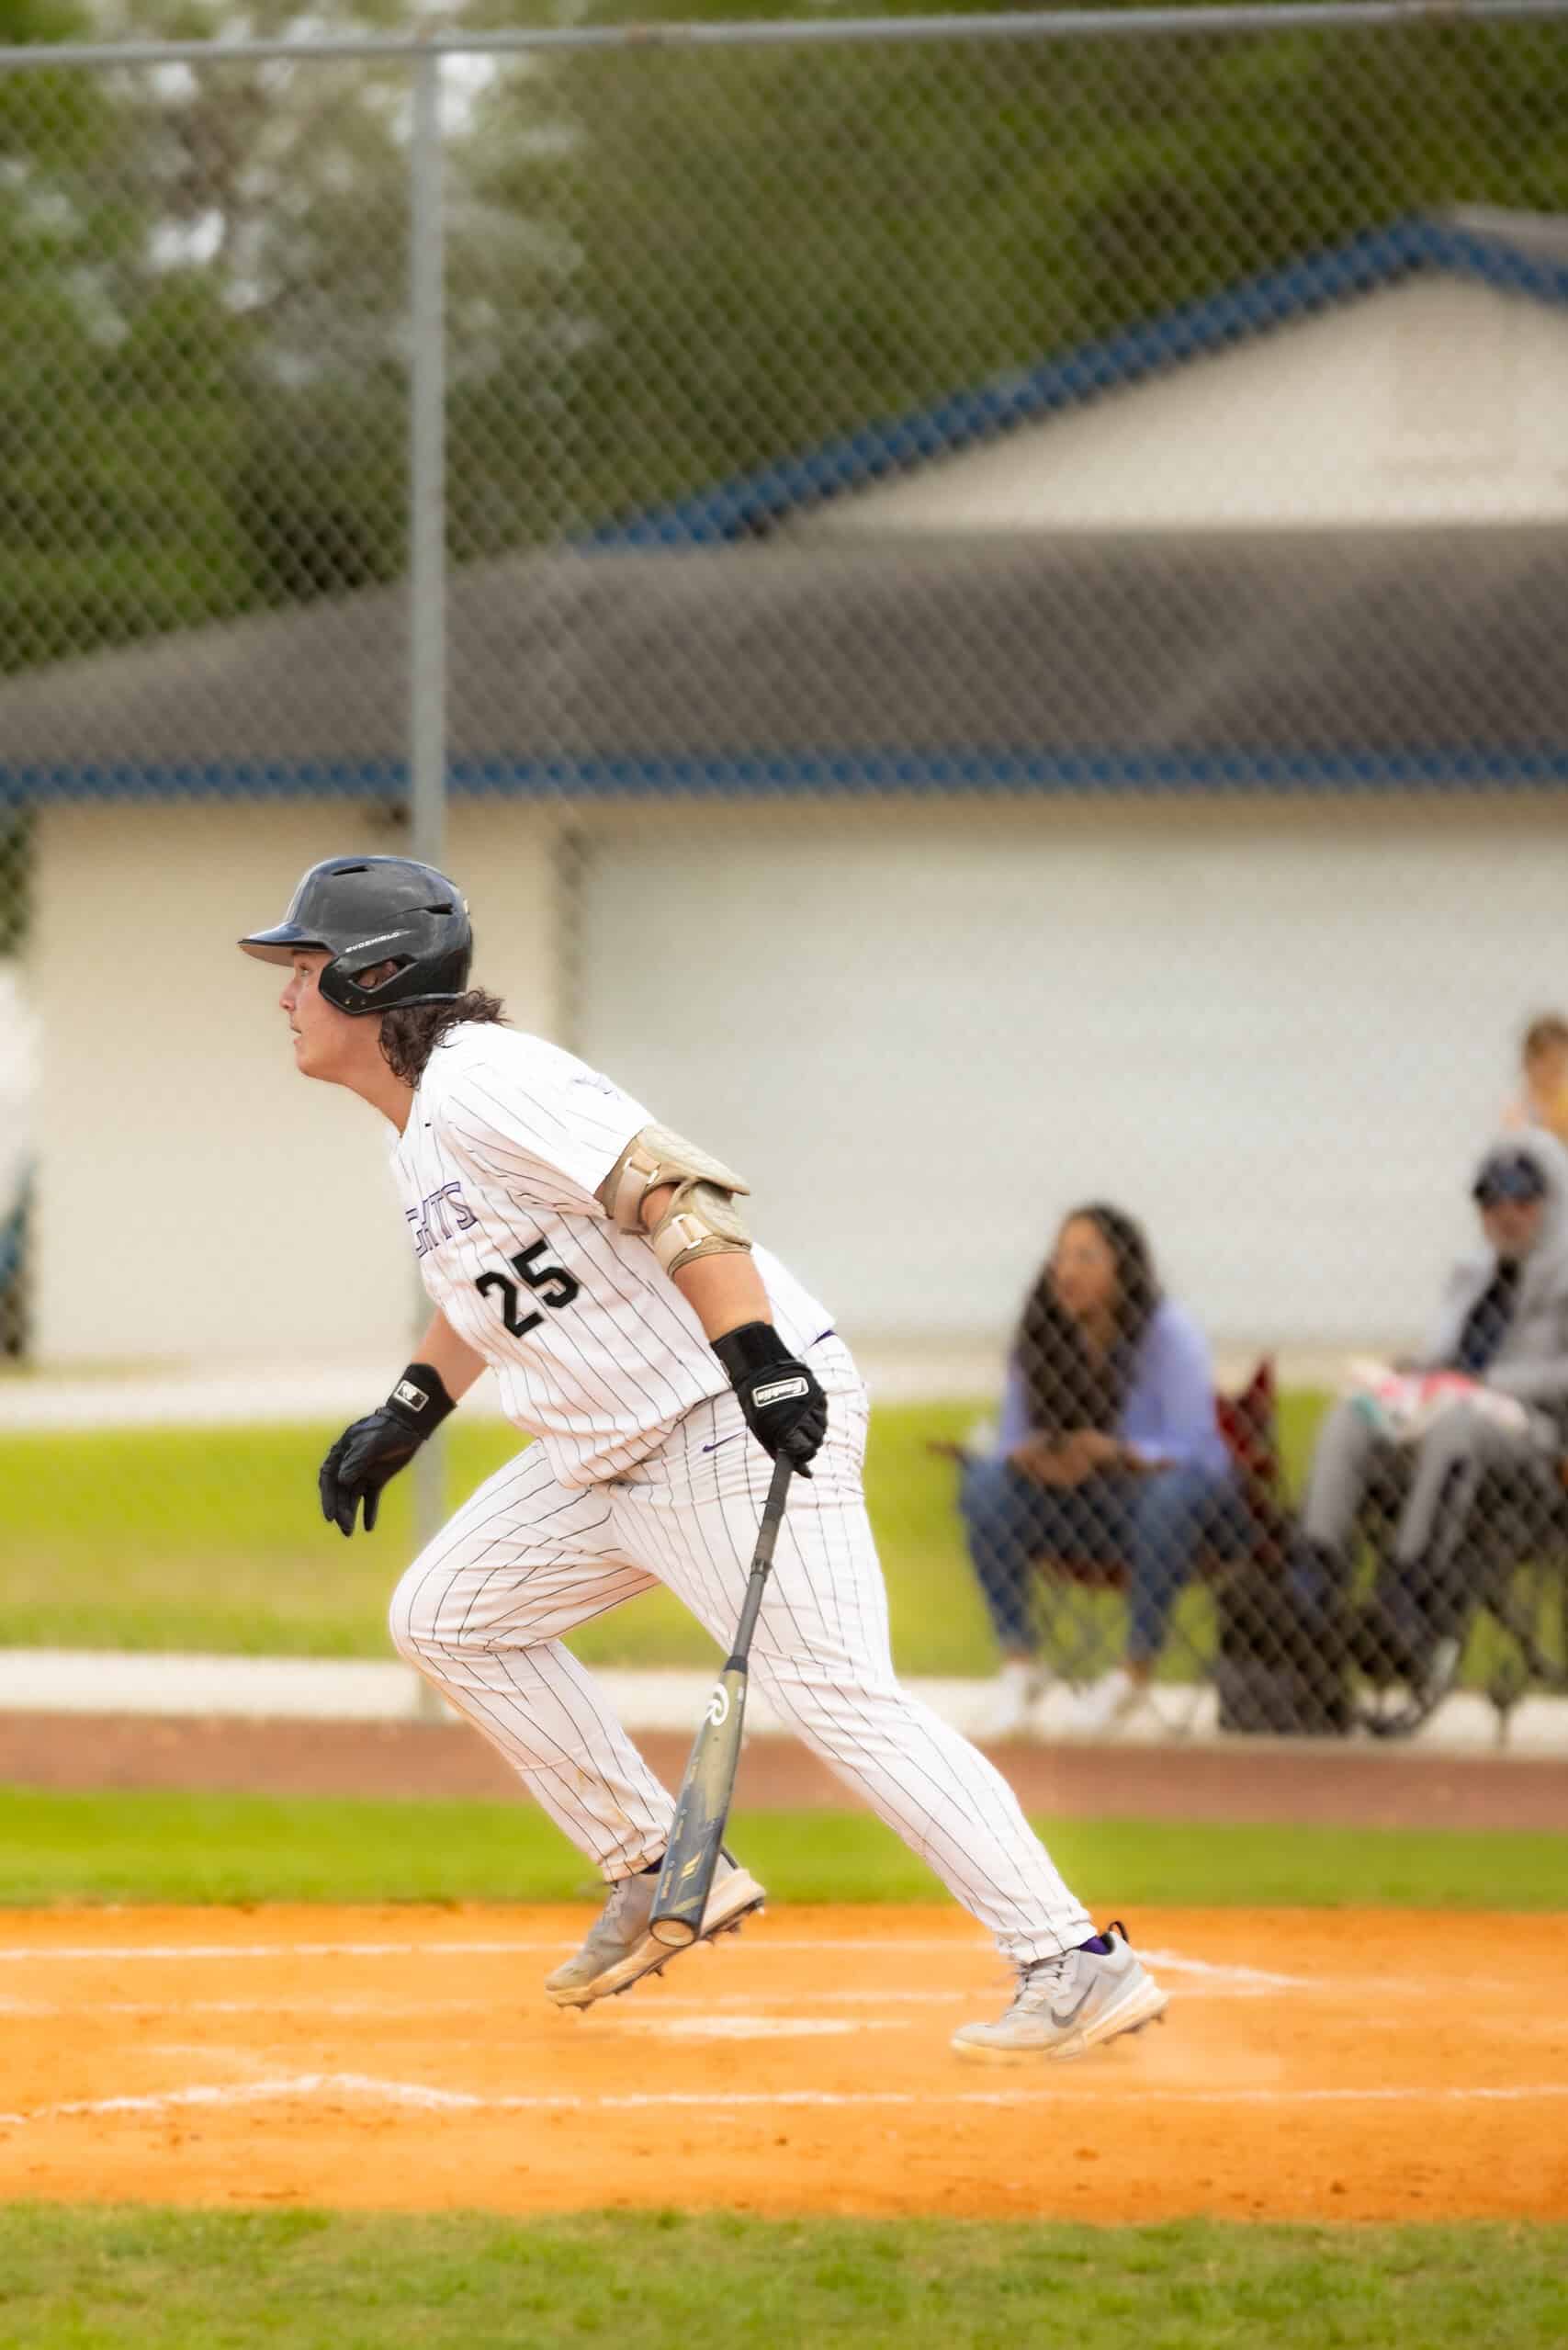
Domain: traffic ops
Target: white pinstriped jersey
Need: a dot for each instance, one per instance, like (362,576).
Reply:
(595,1349)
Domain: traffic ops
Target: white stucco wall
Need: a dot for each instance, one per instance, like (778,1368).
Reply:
(1279,1033)
(1438,399)
(197,1199)
(18,1085)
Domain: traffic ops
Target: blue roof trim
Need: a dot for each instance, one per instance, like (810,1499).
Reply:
(212,779)
(738,508)
(764,776)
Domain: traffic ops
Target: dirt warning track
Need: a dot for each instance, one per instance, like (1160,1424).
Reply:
(1325,2064)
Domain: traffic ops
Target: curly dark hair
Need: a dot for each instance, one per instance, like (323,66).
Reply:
(411,1034)
(1066,1387)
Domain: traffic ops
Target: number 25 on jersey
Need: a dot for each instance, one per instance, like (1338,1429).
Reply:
(552,1284)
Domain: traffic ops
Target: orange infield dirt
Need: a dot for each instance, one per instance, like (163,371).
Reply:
(1325,2064)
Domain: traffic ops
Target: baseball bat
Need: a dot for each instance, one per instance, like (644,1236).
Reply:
(701,1808)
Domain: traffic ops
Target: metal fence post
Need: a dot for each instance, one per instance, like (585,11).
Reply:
(427,608)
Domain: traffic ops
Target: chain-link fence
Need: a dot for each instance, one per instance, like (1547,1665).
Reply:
(976,604)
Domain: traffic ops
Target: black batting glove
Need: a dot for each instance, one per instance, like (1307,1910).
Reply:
(786,1409)
(369,1454)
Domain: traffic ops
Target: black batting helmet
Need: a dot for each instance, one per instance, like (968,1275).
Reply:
(368,910)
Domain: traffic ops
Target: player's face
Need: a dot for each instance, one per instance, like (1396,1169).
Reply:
(1546,1072)
(1083,1269)
(1513,1226)
(324,1036)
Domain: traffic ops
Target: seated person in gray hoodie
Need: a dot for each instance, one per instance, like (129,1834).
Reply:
(1502,1321)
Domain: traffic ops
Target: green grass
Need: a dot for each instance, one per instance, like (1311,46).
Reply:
(123,2279)
(211,1540)
(180,1847)
(149,2279)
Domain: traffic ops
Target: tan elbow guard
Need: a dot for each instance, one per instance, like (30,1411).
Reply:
(701,1220)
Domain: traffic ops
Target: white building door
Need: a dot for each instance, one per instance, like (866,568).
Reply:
(1279,1034)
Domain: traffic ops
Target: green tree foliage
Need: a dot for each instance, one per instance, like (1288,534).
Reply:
(665,266)
(73,490)
(781,244)
(203,293)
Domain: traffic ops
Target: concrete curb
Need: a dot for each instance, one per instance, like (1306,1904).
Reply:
(274,1394)
(59,1681)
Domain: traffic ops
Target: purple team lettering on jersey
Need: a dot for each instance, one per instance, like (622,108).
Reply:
(431,1220)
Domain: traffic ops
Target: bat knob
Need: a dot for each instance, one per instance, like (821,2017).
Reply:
(675,1933)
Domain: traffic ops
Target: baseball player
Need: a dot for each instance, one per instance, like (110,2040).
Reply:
(600,1265)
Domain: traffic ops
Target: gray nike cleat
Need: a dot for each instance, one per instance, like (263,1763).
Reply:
(1066,2006)
(620,1950)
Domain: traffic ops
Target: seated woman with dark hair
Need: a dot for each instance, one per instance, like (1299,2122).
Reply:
(1110,1455)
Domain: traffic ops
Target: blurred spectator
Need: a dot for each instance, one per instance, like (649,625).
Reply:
(1503,1327)
(1110,1457)
(1542,1099)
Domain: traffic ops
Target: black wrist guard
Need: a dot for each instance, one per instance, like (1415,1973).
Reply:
(755,1346)
(786,1408)
(419,1399)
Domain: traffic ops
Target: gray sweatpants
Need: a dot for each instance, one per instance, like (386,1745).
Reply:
(1443,1472)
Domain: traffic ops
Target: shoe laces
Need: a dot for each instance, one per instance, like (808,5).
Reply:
(1039,1980)
(610,1923)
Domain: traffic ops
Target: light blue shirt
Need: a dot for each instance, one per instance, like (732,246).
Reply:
(1168,1414)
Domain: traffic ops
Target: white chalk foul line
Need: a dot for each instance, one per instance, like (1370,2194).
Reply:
(379,2011)
(310,2085)
(63,1954)
(1254,1978)
(368,2009)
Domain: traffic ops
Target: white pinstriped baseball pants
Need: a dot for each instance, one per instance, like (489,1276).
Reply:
(482,1613)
